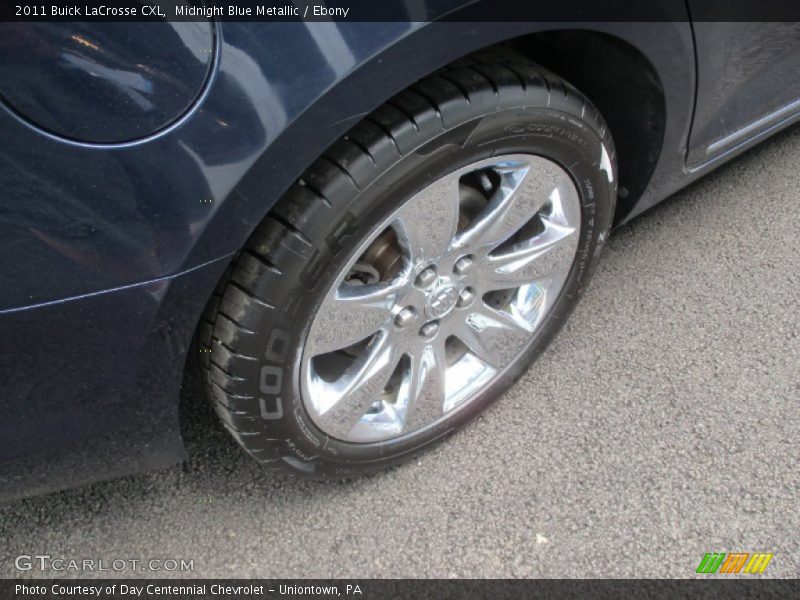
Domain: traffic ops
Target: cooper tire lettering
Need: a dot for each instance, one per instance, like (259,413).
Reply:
(271,379)
(271,415)
(277,346)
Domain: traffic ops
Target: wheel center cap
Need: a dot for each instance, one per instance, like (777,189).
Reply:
(441,301)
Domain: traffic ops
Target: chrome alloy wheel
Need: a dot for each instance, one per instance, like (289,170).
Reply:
(440,298)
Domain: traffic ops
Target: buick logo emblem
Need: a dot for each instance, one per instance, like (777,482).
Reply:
(441,301)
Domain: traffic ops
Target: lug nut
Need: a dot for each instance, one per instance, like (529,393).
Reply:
(429,329)
(426,277)
(463,265)
(466,297)
(405,316)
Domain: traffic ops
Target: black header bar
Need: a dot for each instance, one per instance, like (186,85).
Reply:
(400,10)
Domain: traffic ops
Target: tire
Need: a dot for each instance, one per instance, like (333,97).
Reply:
(258,322)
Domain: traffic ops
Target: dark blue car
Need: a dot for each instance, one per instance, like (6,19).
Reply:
(358,233)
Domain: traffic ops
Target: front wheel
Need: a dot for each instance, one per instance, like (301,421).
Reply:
(414,271)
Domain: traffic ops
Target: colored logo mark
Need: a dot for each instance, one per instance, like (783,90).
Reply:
(735,562)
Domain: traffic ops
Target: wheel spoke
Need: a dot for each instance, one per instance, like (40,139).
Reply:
(427,223)
(426,390)
(494,336)
(524,189)
(549,253)
(360,387)
(352,314)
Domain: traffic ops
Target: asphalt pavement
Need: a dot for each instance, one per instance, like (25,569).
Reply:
(661,424)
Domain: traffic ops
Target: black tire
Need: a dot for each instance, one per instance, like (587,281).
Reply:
(255,326)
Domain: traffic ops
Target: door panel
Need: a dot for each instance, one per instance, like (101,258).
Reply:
(748,83)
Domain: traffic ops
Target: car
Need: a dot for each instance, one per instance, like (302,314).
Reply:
(357,235)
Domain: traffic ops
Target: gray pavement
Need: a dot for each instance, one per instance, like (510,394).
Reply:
(661,424)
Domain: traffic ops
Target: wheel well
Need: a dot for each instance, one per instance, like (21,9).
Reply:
(623,85)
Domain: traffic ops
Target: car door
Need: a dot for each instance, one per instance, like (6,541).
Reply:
(748,77)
